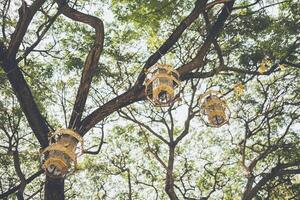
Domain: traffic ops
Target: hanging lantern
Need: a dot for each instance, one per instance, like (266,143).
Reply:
(262,68)
(161,84)
(281,66)
(61,154)
(239,89)
(214,108)
(264,65)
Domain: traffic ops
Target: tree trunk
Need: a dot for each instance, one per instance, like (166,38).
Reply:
(54,189)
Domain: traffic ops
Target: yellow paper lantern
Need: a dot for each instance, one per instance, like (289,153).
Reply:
(281,66)
(262,68)
(61,154)
(161,84)
(214,109)
(239,89)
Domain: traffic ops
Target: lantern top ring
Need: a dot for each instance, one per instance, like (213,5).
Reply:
(168,68)
(70,132)
(208,93)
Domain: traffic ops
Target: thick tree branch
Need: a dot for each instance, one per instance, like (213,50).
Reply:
(54,189)
(125,99)
(15,76)
(137,92)
(279,170)
(91,61)
(200,7)
(26,101)
(198,61)
(25,16)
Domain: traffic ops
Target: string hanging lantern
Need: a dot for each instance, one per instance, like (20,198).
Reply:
(214,109)
(161,83)
(65,145)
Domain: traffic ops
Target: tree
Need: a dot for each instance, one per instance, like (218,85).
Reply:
(139,151)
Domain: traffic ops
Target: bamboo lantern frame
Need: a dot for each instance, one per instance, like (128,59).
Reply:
(65,145)
(161,83)
(214,109)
